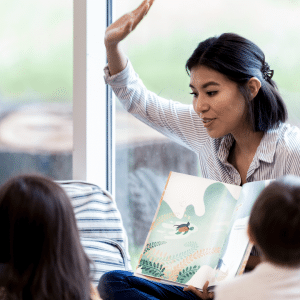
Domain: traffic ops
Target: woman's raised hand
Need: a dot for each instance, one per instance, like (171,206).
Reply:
(118,30)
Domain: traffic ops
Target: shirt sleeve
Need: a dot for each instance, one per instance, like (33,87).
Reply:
(175,120)
(287,156)
(293,151)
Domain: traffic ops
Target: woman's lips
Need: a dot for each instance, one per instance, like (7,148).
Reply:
(207,122)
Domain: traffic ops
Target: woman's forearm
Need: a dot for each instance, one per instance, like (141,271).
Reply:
(116,59)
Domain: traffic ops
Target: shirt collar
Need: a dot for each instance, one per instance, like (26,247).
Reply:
(225,145)
(267,147)
(265,151)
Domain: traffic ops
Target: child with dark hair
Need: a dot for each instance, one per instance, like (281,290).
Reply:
(41,256)
(274,228)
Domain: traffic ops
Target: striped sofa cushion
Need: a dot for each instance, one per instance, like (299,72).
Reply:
(100,226)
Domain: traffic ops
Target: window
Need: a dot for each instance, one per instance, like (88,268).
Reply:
(36,88)
(158,50)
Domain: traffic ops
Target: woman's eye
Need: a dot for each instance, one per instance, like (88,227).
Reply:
(195,95)
(211,93)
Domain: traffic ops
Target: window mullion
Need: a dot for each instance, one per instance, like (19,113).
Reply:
(89,93)
(110,138)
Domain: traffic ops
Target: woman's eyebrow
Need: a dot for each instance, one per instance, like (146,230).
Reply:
(205,85)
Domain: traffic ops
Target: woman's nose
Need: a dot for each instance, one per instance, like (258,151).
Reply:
(200,106)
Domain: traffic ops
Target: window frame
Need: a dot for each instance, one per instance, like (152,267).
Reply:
(93,133)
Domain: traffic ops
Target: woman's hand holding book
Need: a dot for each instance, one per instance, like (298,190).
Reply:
(202,295)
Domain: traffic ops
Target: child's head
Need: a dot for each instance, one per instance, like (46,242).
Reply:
(274,224)
(40,241)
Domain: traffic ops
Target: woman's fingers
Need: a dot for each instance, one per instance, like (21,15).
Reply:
(140,13)
(205,286)
(206,293)
(192,289)
(144,7)
(202,295)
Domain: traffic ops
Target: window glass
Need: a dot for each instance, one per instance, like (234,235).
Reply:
(36,88)
(158,50)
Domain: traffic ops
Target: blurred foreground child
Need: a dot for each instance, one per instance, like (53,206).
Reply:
(41,256)
(274,228)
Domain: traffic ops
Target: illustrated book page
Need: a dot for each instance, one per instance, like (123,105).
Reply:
(190,227)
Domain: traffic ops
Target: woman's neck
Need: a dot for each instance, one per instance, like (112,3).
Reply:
(248,142)
(242,152)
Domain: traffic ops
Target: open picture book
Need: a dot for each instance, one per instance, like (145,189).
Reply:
(199,232)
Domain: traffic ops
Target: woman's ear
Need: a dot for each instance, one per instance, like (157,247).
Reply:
(254,85)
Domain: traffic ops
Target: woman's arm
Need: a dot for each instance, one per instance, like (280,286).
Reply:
(116,59)
(118,31)
(176,121)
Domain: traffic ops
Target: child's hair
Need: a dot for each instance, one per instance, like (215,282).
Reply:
(274,222)
(239,60)
(40,242)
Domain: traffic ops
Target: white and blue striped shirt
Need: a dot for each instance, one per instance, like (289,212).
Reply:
(278,153)
(100,227)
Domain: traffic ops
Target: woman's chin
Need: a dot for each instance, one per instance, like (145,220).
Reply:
(214,134)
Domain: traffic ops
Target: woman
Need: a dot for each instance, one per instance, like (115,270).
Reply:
(236,125)
(41,256)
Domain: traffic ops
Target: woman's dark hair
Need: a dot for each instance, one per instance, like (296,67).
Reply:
(274,222)
(40,242)
(239,59)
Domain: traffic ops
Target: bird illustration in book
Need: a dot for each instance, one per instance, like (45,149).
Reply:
(183,228)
